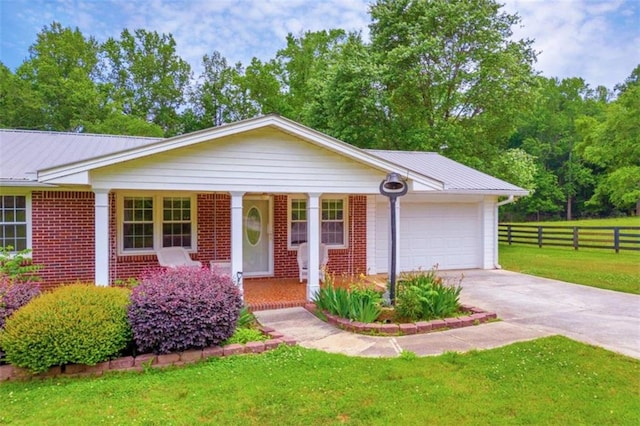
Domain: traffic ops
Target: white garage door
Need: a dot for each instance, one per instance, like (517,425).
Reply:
(444,234)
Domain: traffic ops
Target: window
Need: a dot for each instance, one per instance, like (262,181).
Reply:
(152,222)
(333,231)
(13,221)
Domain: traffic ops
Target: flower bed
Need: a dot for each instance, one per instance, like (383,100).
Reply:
(144,361)
(471,316)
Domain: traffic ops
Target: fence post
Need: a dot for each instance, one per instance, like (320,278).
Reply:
(575,238)
(539,236)
(509,234)
(616,239)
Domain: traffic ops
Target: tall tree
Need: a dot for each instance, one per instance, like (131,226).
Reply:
(548,132)
(452,75)
(147,77)
(60,70)
(20,106)
(613,144)
(217,97)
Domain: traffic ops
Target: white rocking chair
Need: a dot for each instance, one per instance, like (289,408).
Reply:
(303,260)
(174,257)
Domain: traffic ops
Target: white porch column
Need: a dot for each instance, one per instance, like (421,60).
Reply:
(313,243)
(236,239)
(101,238)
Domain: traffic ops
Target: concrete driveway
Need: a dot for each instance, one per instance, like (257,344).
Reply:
(600,317)
(529,307)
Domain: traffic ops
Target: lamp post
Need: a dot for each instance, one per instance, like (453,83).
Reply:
(393,187)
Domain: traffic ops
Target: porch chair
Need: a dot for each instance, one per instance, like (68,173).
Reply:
(303,260)
(174,257)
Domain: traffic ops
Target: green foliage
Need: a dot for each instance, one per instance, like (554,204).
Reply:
(425,296)
(129,283)
(146,77)
(245,335)
(79,324)
(451,75)
(611,143)
(358,304)
(245,319)
(365,304)
(18,266)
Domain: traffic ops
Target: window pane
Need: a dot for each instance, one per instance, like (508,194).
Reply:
(13,221)
(176,226)
(333,226)
(333,233)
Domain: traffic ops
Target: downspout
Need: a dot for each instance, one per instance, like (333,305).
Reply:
(509,200)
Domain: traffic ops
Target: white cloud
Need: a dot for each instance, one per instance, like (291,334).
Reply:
(593,39)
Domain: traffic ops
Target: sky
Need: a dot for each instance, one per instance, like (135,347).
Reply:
(598,40)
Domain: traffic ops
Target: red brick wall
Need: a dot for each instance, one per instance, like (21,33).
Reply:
(352,260)
(214,237)
(63,236)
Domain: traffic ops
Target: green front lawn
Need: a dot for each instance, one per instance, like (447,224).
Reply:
(548,381)
(595,268)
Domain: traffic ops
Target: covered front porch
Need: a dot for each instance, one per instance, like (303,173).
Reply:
(277,293)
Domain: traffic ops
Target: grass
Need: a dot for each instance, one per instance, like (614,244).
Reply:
(618,221)
(596,268)
(547,381)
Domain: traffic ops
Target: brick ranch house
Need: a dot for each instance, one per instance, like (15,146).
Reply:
(94,208)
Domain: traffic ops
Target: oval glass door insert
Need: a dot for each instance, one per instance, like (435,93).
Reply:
(253,226)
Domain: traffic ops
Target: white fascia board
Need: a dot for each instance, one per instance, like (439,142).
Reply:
(496,192)
(286,125)
(80,178)
(6,183)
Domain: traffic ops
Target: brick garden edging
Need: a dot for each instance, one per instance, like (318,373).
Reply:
(475,316)
(143,361)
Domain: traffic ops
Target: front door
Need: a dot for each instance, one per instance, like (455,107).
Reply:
(257,238)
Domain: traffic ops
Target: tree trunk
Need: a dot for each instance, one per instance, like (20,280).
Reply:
(568,208)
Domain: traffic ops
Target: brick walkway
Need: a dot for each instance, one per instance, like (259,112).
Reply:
(278,293)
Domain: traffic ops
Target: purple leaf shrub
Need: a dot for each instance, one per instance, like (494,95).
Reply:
(14,295)
(178,309)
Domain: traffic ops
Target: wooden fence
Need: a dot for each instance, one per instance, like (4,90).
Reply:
(601,237)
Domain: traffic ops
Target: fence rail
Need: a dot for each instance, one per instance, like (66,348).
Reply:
(601,237)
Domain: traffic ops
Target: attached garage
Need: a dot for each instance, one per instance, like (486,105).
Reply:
(446,234)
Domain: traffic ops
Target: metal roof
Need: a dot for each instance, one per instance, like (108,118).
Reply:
(454,175)
(24,152)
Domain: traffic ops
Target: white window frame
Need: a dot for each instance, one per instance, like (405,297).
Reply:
(157,220)
(345,215)
(28,218)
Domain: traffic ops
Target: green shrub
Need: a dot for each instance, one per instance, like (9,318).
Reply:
(18,265)
(425,296)
(245,335)
(78,323)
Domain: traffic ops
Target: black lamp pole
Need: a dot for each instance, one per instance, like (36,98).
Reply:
(393,187)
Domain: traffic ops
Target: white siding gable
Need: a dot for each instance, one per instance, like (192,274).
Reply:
(264,160)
